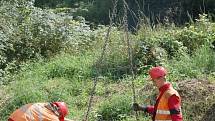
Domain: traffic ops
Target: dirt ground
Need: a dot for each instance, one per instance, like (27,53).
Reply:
(198,99)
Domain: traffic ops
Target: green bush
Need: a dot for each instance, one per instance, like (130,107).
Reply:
(172,46)
(71,67)
(117,108)
(29,33)
(159,45)
(200,64)
(194,36)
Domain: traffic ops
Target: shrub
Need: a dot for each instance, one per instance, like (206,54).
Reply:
(198,65)
(194,36)
(28,33)
(159,45)
(115,109)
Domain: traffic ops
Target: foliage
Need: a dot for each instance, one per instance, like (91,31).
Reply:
(196,35)
(33,84)
(158,46)
(30,33)
(46,55)
(200,65)
(70,67)
(157,11)
(58,3)
(115,64)
(117,108)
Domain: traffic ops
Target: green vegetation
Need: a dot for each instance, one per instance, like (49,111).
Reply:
(97,11)
(115,109)
(47,55)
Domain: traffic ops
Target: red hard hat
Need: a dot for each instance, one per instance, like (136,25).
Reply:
(63,109)
(156,72)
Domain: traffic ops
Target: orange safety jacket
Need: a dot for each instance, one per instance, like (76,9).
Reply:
(34,112)
(163,111)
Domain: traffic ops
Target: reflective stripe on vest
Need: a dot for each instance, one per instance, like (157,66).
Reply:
(162,112)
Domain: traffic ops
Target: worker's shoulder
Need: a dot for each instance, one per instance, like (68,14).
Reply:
(171,92)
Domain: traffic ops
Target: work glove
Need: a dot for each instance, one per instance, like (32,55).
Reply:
(136,107)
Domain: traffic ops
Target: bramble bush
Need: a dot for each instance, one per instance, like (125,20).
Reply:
(29,33)
(198,34)
(160,45)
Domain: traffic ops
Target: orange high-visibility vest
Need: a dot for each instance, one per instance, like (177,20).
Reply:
(163,112)
(34,112)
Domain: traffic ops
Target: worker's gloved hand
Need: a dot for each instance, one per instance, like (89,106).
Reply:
(136,107)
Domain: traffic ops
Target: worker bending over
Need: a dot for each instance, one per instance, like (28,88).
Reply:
(55,111)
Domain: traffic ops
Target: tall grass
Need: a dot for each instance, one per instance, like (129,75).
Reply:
(200,65)
(50,81)
(68,77)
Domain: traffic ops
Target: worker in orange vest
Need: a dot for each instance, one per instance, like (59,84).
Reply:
(168,102)
(55,111)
